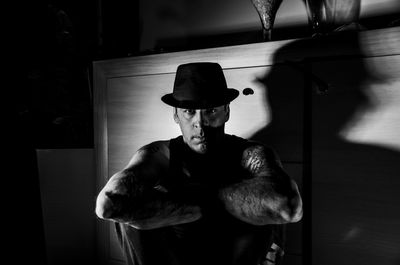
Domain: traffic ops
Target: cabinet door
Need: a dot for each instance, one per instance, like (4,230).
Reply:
(135,116)
(355,162)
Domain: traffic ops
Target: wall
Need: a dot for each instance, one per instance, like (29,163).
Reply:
(165,24)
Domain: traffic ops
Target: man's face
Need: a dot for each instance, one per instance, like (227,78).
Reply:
(202,128)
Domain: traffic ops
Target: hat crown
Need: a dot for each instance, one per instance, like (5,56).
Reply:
(199,81)
(200,85)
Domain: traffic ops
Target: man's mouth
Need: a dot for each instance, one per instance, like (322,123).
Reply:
(199,139)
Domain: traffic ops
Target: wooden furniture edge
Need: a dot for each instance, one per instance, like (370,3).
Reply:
(378,42)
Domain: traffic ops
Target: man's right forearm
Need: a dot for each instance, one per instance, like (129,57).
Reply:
(135,196)
(154,210)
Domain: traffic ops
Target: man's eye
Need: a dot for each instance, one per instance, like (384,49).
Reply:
(189,111)
(211,111)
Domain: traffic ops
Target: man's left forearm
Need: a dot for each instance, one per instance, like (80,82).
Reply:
(256,201)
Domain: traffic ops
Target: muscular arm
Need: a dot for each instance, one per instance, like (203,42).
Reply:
(134,196)
(267,195)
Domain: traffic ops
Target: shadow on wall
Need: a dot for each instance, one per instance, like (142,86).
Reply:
(352,205)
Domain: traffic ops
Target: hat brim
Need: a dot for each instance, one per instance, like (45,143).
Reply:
(230,95)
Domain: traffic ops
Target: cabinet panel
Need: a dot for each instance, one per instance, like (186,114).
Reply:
(274,113)
(294,232)
(355,162)
(137,116)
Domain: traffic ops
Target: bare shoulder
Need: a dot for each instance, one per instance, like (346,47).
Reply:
(258,158)
(152,154)
(157,148)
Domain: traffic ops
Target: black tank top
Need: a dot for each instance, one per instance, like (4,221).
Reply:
(217,238)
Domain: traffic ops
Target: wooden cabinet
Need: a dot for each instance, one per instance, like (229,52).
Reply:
(341,145)
(355,162)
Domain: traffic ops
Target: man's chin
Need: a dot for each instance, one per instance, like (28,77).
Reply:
(201,148)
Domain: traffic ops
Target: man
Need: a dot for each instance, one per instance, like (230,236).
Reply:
(205,197)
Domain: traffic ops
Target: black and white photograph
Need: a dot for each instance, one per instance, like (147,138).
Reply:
(199,132)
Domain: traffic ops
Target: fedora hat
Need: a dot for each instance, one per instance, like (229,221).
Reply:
(199,86)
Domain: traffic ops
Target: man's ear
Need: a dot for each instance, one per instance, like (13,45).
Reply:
(176,118)
(227,112)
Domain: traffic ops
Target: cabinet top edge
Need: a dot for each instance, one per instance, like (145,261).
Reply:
(370,43)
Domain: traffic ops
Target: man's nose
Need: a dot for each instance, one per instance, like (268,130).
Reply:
(200,120)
